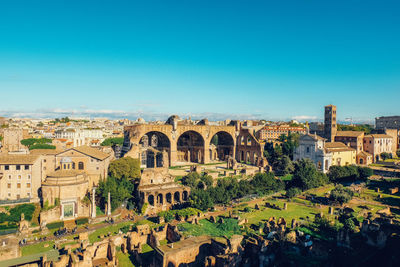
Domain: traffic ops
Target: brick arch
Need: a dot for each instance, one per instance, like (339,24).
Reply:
(191,146)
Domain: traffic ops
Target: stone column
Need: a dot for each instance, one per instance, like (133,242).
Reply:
(173,153)
(93,203)
(109,204)
(206,152)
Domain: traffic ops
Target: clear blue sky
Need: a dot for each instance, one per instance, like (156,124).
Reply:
(269,59)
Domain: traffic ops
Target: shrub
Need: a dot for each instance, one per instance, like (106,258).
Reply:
(125,229)
(247,209)
(398,153)
(341,194)
(55,225)
(80,221)
(293,191)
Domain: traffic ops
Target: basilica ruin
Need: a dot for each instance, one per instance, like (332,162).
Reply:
(180,141)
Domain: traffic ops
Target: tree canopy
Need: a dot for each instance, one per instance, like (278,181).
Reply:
(306,175)
(35,142)
(125,167)
(341,194)
(120,189)
(113,141)
(348,173)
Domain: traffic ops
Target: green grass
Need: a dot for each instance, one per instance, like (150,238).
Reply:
(124,260)
(36,248)
(294,211)
(146,248)
(99,212)
(113,229)
(212,229)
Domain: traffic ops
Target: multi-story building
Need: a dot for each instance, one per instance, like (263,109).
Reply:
(312,146)
(20,177)
(353,139)
(86,159)
(273,132)
(342,155)
(324,154)
(376,144)
(388,122)
(12,139)
(330,126)
(79,136)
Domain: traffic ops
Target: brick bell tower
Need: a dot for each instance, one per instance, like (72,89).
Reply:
(330,126)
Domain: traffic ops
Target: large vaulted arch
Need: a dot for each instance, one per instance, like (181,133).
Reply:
(221,146)
(190,147)
(155,150)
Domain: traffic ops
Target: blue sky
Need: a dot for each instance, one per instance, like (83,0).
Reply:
(241,59)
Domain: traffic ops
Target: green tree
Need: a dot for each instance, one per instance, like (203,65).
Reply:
(341,194)
(113,141)
(125,167)
(283,166)
(386,156)
(306,175)
(120,189)
(201,199)
(365,172)
(292,192)
(191,180)
(35,141)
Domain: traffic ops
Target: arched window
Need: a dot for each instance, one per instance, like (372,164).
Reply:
(73,165)
(80,165)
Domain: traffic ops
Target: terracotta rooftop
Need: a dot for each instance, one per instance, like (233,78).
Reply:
(337,147)
(379,136)
(45,151)
(350,133)
(92,152)
(18,159)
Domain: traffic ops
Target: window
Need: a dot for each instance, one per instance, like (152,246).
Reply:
(9,177)
(18,167)
(308,149)
(26,167)
(44,160)
(29,194)
(9,194)
(28,185)
(80,165)
(19,176)
(6,167)
(8,185)
(29,176)
(19,185)
(18,196)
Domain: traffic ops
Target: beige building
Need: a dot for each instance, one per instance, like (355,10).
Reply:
(89,160)
(68,187)
(20,177)
(353,139)
(12,139)
(273,132)
(376,144)
(342,155)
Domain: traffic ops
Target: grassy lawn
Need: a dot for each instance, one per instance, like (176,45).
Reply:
(113,229)
(37,248)
(294,211)
(124,260)
(321,191)
(212,229)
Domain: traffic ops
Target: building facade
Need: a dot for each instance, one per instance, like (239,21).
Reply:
(376,144)
(312,146)
(273,132)
(353,139)
(388,122)
(20,177)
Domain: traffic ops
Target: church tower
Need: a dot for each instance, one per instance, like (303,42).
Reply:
(330,126)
